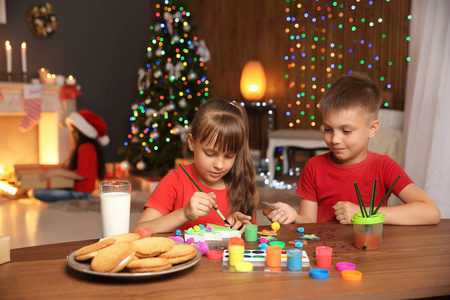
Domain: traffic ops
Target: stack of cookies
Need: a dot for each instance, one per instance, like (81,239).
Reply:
(131,253)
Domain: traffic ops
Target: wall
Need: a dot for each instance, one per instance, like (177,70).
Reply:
(238,31)
(101,43)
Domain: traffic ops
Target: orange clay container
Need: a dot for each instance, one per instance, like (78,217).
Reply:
(273,256)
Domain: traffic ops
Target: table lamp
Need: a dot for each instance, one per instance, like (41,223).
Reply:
(253,81)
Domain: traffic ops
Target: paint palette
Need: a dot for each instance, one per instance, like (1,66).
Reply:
(258,259)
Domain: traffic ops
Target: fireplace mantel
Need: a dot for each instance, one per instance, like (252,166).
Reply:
(54,140)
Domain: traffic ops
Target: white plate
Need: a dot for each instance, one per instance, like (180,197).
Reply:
(85,267)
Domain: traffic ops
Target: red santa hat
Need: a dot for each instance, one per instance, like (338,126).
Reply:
(90,125)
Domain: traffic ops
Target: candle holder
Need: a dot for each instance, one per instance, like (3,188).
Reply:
(9,76)
(25,77)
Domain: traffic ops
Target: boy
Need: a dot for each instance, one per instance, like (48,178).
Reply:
(349,112)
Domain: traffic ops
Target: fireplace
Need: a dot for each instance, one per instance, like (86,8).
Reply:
(46,143)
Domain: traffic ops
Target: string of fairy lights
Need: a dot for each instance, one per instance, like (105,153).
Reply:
(329,39)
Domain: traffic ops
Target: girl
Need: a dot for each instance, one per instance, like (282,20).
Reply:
(85,163)
(223,168)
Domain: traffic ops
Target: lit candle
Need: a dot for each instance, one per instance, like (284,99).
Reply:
(71,80)
(51,78)
(43,75)
(8,49)
(24,57)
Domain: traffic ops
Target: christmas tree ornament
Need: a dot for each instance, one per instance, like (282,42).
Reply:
(157,27)
(182,103)
(148,100)
(125,165)
(135,130)
(150,112)
(176,38)
(141,165)
(170,18)
(171,106)
(158,73)
(134,106)
(141,83)
(203,51)
(174,70)
(192,75)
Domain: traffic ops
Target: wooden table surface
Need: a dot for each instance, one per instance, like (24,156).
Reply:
(412,262)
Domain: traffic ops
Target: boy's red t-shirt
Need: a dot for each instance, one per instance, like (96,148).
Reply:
(325,182)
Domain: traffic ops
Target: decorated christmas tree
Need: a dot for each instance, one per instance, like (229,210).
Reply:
(171,86)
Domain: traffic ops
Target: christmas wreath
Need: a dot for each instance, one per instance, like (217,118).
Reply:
(42,20)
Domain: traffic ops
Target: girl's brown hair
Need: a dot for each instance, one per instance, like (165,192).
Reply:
(355,90)
(227,124)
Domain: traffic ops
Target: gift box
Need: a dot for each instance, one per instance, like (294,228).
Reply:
(29,177)
(144,183)
(4,249)
(183,161)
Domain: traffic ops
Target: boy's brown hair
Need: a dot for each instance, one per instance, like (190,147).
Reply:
(355,90)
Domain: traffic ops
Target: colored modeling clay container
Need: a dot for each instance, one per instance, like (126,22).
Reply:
(236,253)
(294,259)
(251,233)
(368,231)
(323,256)
(273,256)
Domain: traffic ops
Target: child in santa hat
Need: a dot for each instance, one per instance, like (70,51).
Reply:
(85,163)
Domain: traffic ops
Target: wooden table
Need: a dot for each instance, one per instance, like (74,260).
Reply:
(413,262)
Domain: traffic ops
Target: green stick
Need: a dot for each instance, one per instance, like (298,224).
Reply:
(372,198)
(387,194)
(361,203)
(200,189)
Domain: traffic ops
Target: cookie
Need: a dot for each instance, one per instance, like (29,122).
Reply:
(151,264)
(126,237)
(113,258)
(152,246)
(180,253)
(91,250)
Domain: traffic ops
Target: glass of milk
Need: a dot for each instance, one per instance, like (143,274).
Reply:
(115,202)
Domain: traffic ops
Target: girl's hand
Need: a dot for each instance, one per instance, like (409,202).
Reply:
(344,211)
(238,220)
(199,205)
(285,214)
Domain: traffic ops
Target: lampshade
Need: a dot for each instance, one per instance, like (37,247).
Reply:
(253,81)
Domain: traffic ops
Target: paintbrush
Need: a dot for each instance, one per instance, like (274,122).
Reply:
(387,194)
(372,199)
(360,201)
(200,189)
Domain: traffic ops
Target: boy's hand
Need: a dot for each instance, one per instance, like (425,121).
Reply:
(238,220)
(344,211)
(199,205)
(284,215)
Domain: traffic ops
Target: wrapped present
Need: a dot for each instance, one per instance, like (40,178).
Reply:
(144,183)
(29,177)
(183,161)
(4,249)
